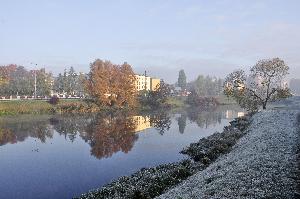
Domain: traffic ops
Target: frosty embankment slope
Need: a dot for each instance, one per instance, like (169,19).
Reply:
(263,163)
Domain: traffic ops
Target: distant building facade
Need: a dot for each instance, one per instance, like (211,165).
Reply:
(155,84)
(146,83)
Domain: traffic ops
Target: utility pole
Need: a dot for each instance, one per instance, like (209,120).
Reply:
(34,79)
(34,84)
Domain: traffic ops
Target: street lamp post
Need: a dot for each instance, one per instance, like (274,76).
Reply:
(34,79)
(34,84)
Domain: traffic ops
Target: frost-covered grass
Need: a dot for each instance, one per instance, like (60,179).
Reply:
(263,164)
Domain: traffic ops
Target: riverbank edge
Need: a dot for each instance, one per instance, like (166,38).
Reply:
(152,182)
(79,106)
(39,107)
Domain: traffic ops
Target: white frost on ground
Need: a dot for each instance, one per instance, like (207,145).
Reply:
(261,165)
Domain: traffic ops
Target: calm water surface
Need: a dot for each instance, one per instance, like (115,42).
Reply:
(64,156)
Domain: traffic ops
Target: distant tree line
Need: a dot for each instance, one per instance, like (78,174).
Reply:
(201,92)
(207,86)
(202,86)
(69,83)
(17,80)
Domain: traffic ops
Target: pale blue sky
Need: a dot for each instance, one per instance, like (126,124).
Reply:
(202,37)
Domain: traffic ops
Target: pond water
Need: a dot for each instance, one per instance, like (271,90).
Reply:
(46,156)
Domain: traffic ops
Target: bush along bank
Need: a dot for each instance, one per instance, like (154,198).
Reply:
(207,150)
(152,182)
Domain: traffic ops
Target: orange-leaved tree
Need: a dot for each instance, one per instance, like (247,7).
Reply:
(111,85)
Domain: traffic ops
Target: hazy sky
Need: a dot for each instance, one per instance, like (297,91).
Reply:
(201,37)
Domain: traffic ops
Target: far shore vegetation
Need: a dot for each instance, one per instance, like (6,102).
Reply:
(111,87)
(107,87)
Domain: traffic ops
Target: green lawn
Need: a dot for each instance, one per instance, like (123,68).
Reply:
(180,101)
(76,106)
(42,106)
(176,101)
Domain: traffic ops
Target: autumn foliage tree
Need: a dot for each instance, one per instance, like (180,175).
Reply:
(263,85)
(111,85)
(5,73)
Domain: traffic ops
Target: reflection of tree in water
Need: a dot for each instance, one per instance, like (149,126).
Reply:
(182,122)
(161,122)
(105,133)
(7,136)
(205,118)
(110,134)
(17,130)
(69,126)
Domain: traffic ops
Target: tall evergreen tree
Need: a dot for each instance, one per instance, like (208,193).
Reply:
(66,86)
(182,79)
(72,81)
(59,84)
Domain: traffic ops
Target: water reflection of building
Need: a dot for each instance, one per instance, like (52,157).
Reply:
(141,122)
(231,114)
(241,114)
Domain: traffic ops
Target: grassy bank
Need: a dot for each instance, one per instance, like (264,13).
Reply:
(179,102)
(63,106)
(42,107)
(24,107)
(223,100)
(81,106)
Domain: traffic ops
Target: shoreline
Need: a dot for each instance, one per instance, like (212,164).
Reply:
(152,182)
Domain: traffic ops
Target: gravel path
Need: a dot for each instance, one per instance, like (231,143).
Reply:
(261,165)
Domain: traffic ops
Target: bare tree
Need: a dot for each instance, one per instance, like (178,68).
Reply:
(263,85)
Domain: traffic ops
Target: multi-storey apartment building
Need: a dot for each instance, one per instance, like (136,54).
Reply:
(146,83)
